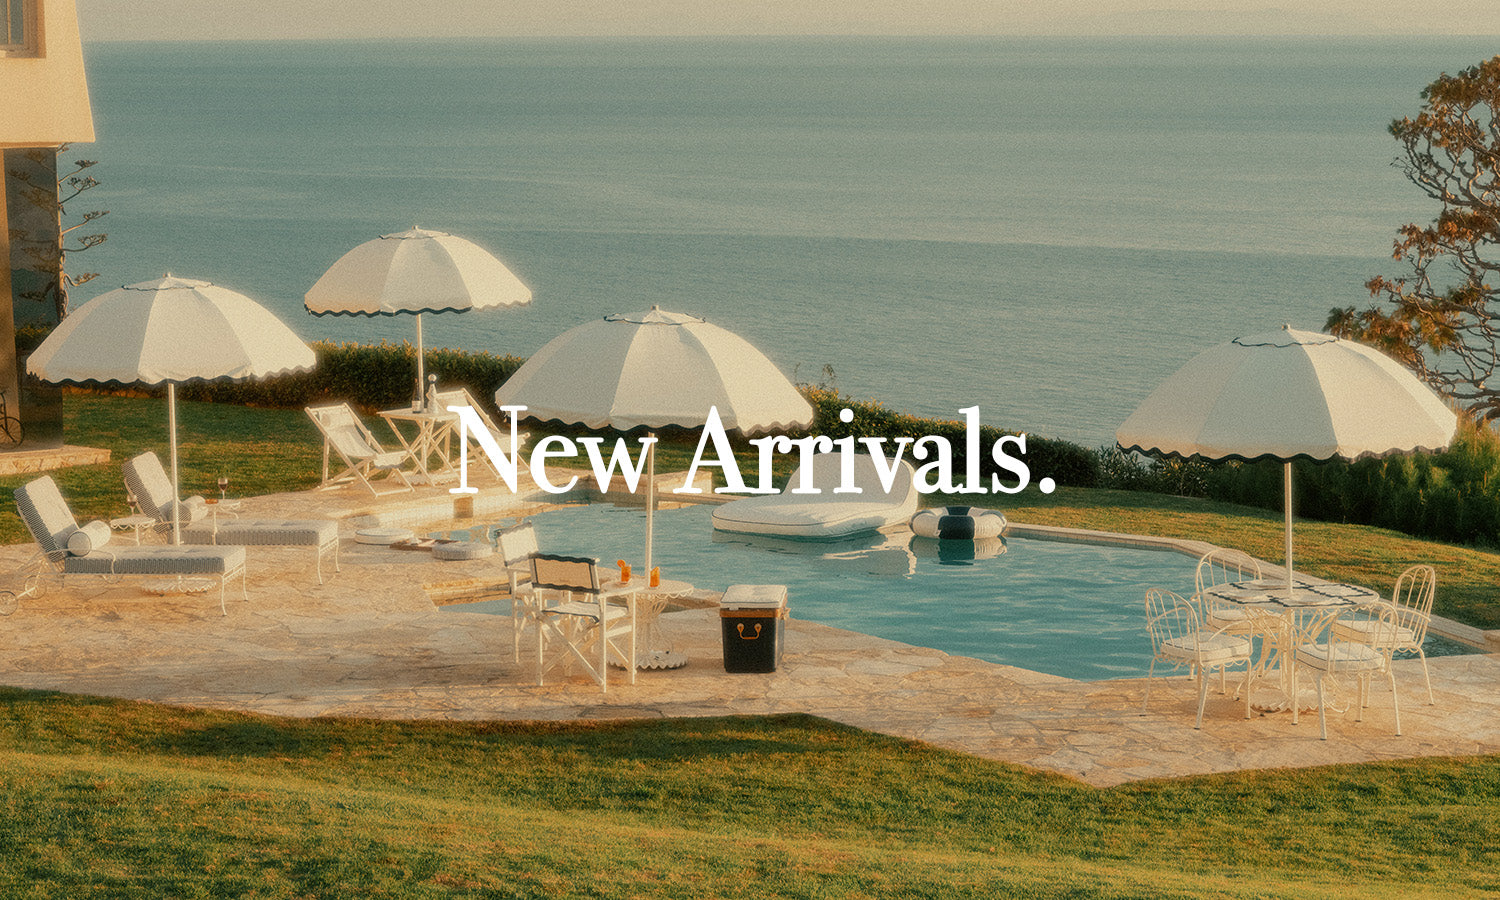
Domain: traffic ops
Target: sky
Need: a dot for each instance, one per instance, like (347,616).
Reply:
(103,20)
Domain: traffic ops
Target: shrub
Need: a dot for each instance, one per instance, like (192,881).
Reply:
(1065,462)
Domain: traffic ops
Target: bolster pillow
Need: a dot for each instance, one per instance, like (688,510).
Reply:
(88,538)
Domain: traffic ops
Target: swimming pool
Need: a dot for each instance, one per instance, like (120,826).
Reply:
(1069,609)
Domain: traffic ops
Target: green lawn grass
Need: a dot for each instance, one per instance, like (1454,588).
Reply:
(119,799)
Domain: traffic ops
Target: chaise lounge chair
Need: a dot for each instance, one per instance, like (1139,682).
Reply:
(71,550)
(346,435)
(827,515)
(147,481)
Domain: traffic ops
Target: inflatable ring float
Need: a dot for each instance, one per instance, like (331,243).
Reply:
(958,523)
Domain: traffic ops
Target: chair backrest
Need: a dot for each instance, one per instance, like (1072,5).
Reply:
(46,514)
(1168,617)
(1221,566)
(1412,596)
(518,543)
(343,430)
(574,574)
(148,481)
(462,397)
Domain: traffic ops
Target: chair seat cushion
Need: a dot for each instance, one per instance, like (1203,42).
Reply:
(1209,647)
(157,561)
(264,532)
(1341,657)
(1374,631)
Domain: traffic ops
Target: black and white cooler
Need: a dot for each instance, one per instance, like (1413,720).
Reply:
(754,621)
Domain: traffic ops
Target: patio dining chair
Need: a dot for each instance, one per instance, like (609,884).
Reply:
(70,550)
(362,455)
(1217,567)
(147,481)
(1222,566)
(1321,648)
(592,631)
(1178,637)
(1406,629)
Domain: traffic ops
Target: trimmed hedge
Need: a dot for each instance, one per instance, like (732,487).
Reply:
(369,377)
(1066,463)
(1450,496)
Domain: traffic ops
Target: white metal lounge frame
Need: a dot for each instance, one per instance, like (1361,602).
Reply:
(361,453)
(1179,637)
(51,523)
(147,481)
(586,625)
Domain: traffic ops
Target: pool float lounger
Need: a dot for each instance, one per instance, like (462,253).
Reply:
(826,515)
(958,523)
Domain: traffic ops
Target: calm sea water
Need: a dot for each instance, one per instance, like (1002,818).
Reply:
(1043,227)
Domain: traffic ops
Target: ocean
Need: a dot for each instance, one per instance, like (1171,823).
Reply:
(1043,227)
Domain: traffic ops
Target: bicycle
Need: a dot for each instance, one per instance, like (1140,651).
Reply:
(10,426)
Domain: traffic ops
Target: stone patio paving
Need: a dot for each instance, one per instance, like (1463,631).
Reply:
(371,642)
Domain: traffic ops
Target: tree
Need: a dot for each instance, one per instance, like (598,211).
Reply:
(1443,318)
(49,250)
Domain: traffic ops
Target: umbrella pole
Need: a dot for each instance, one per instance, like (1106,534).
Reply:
(172,436)
(1286,504)
(650,501)
(421,376)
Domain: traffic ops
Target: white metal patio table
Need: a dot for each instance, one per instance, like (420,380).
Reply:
(433,438)
(1300,613)
(654,649)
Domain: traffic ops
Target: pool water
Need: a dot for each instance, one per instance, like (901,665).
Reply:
(1069,609)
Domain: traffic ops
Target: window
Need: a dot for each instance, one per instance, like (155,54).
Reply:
(18,30)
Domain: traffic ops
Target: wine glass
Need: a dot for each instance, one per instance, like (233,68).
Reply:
(223,486)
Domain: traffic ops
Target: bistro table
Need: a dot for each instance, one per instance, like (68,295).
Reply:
(654,650)
(433,437)
(1292,617)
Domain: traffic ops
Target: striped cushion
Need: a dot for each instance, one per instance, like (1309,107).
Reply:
(265,532)
(1343,657)
(157,561)
(1209,646)
(1374,631)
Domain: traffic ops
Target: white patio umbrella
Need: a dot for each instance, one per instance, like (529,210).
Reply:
(170,330)
(653,370)
(1288,395)
(415,272)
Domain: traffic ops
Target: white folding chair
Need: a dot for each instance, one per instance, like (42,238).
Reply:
(462,397)
(590,629)
(517,545)
(362,455)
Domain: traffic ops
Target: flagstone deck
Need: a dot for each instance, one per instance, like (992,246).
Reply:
(371,642)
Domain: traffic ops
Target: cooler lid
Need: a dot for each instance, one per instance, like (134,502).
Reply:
(754,596)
